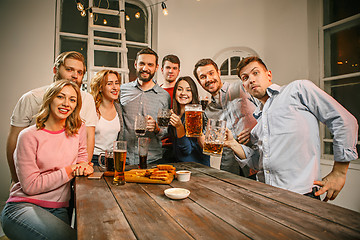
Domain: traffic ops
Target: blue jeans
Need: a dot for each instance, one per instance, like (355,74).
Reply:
(29,221)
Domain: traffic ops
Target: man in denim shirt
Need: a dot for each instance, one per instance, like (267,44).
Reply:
(286,138)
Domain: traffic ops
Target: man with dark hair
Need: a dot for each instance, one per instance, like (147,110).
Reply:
(143,97)
(286,138)
(170,69)
(68,65)
(228,102)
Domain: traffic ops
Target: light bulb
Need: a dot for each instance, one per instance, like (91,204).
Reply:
(165,11)
(137,15)
(127,18)
(105,22)
(79,6)
(91,12)
(83,13)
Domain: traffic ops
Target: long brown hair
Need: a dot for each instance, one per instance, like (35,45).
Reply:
(194,91)
(73,121)
(97,86)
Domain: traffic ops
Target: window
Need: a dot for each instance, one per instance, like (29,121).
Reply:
(228,59)
(341,59)
(102,38)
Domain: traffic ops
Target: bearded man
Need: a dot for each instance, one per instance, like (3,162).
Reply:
(144,97)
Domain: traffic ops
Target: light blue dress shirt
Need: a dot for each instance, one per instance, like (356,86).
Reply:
(286,138)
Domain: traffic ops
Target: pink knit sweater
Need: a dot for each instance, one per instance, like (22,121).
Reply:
(42,161)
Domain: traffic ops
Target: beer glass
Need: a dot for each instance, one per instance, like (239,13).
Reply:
(108,163)
(193,120)
(163,117)
(214,137)
(143,144)
(119,162)
(204,101)
(140,125)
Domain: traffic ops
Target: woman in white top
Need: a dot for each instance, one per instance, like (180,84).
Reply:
(105,88)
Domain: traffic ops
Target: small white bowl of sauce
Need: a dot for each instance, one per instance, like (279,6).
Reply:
(177,193)
(183,175)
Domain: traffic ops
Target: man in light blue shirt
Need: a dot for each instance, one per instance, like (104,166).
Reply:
(286,138)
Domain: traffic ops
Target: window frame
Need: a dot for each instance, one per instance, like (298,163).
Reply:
(143,4)
(325,81)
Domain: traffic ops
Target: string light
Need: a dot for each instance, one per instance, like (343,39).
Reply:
(137,15)
(127,18)
(79,5)
(165,11)
(83,13)
(105,22)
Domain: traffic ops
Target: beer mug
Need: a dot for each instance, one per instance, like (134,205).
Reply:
(214,137)
(140,125)
(163,117)
(108,160)
(193,120)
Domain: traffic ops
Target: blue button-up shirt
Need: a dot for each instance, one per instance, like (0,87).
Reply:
(286,139)
(136,101)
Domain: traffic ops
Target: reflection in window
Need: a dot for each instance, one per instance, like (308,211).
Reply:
(135,23)
(71,21)
(335,10)
(132,51)
(345,51)
(73,44)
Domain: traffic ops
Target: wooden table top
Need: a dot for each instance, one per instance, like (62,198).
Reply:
(221,206)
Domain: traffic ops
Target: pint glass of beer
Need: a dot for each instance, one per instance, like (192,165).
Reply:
(119,162)
(214,137)
(143,145)
(193,120)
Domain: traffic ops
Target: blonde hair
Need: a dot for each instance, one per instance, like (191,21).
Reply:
(97,86)
(73,121)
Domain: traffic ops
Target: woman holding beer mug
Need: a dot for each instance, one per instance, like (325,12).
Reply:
(48,155)
(186,149)
(105,88)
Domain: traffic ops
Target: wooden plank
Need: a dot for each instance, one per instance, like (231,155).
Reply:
(304,222)
(332,213)
(98,215)
(146,218)
(245,220)
(198,222)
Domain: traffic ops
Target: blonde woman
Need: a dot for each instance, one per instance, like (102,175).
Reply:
(105,88)
(47,156)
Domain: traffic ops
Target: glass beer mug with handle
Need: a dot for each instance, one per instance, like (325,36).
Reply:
(214,137)
(108,162)
(193,120)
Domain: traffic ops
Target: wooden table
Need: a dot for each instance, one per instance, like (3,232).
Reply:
(221,206)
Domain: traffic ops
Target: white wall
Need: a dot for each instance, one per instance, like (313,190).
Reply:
(277,30)
(283,32)
(26,57)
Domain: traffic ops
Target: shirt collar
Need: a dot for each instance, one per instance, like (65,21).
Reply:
(272,90)
(222,91)
(156,87)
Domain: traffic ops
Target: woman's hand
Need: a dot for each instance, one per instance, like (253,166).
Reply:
(82,169)
(175,120)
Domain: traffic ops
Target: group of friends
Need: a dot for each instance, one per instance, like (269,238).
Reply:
(58,132)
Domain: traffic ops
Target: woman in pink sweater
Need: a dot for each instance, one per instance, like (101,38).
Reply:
(47,156)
